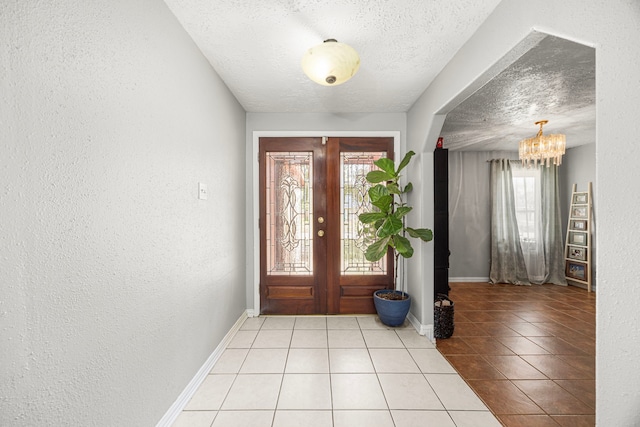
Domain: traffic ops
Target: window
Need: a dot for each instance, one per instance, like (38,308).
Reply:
(528,206)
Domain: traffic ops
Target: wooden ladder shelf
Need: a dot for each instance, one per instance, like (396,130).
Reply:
(577,252)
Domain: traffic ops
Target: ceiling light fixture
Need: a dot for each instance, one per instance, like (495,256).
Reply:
(542,148)
(330,63)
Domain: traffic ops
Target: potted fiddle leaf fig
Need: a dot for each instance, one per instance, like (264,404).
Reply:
(387,225)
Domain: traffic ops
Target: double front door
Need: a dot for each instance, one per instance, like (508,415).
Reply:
(311,241)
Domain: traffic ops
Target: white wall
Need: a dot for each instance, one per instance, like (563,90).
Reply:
(317,124)
(470,213)
(613,28)
(116,282)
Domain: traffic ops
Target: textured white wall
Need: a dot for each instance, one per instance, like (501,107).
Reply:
(116,282)
(613,28)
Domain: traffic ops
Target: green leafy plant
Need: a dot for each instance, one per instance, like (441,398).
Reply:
(387,222)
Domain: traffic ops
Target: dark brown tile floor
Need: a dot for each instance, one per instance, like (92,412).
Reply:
(527,351)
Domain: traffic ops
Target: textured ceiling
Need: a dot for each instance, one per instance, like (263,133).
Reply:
(554,80)
(256,47)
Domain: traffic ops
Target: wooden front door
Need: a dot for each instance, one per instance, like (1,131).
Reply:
(311,242)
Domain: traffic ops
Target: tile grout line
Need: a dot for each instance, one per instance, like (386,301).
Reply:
(375,370)
(235,376)
(333,418)
(427,379)
(284,369)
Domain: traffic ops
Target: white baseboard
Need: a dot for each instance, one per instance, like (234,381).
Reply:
(426,330)
(468,279)
(174,411)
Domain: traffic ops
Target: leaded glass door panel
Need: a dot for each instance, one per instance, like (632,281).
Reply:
(351,278)
(311,242)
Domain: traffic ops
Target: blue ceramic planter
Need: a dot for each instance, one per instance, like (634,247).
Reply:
(391,312)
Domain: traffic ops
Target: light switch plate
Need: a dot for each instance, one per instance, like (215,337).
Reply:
(202,191)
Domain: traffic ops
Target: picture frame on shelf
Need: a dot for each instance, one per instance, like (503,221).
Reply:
(579,212)
(577,238)
(579,198)
(576,270)
(577,253)
(578,224)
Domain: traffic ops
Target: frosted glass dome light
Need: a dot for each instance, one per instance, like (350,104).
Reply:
(330,63)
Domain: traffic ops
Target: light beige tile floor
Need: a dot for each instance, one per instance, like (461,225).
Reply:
(333,371)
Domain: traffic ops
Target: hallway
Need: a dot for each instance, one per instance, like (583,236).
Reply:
(340,371)
(527,351)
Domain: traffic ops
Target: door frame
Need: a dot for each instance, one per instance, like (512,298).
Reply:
(255,194)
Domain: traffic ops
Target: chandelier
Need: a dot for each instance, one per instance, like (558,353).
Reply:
(542,148)
(330,63)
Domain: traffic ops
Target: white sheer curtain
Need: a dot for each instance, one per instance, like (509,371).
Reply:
(528,206)
(552,227)
(507,259)
(525,225)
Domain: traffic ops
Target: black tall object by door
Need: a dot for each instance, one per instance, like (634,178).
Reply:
(441,224)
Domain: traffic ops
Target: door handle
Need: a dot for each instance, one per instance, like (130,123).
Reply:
(320,220)
(320,233)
